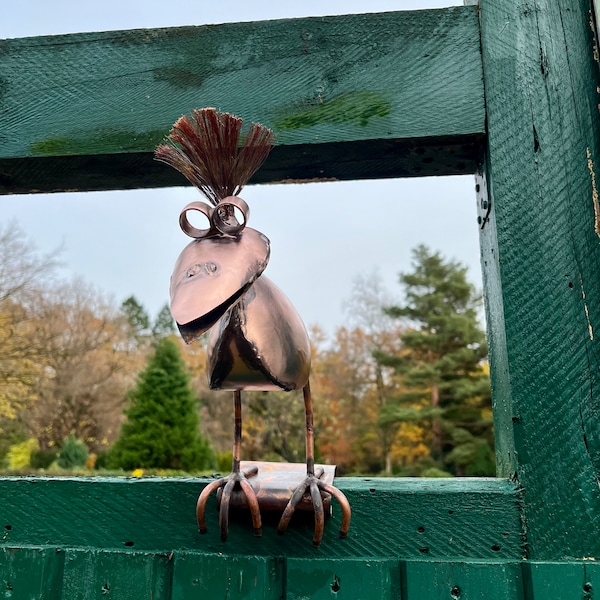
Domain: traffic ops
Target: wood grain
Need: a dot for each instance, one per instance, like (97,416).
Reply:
(356,96)
(388,95)
(477,518)
(56,573)
(448,580)
(540,254)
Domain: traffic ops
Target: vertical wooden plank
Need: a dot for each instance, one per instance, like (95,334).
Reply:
(540,256)
(591,583)
(203,575)
(554,581)
(437,580)
(100,574)
(27,573)
(348,579)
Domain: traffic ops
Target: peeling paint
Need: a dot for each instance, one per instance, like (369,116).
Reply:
(587,314)
(594,45)
(595,200)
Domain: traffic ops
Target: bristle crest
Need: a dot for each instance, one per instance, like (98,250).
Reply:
(205,148)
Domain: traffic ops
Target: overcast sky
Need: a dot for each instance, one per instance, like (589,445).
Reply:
(110,238)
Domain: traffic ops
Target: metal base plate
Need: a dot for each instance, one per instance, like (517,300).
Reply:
(274,484)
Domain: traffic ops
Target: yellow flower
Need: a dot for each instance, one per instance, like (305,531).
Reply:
(137,472)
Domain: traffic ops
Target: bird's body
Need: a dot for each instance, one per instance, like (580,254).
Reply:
(257,340)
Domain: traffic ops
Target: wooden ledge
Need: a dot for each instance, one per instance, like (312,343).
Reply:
(391,518)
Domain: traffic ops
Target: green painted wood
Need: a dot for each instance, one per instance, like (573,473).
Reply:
(540,254)
(27,573)
(346,579)
(344,104)
(201,575)
(93,574)
(561,581)
(472,580)
(355,96)
(59,573)
(415,518)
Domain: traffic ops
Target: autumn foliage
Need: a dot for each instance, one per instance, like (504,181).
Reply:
(401,389)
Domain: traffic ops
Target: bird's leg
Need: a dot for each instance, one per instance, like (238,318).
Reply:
(236,478)
(314,484)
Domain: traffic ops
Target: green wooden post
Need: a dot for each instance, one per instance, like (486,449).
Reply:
(541,261)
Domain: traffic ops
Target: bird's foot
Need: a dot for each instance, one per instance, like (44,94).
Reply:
(234,480)
(315,486)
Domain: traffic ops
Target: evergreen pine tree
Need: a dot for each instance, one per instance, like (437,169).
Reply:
(136,315)
(161,430)
(164,324)
(442,366)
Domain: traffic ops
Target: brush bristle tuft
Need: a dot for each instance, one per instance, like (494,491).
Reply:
(206,149)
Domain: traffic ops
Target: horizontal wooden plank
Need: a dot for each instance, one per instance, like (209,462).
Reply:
(353,96)
(391,518)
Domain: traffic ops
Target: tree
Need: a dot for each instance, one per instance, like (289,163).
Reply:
(87,368)
(442,364)
(161,430)
(22,269)
(136,316)
(164,324)
(23,275)
(381,333)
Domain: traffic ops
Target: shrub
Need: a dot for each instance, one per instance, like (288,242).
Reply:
(72,454)
(42,459)
(19,455)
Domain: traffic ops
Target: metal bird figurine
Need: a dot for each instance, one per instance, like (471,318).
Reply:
(257,340)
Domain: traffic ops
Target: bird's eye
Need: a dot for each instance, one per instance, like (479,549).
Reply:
(192,271)
(209,269)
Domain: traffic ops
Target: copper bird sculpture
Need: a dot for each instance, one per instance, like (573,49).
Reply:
(257,340)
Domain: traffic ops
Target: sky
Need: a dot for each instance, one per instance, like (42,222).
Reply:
(323,235)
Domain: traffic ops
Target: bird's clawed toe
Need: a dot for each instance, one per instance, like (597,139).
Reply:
(315,486)
(228,484)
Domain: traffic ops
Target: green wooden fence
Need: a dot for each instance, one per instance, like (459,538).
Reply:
(507,90)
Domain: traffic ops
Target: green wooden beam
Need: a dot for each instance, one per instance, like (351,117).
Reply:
(392,518)
(356,96)
(541,256)
(59,573)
